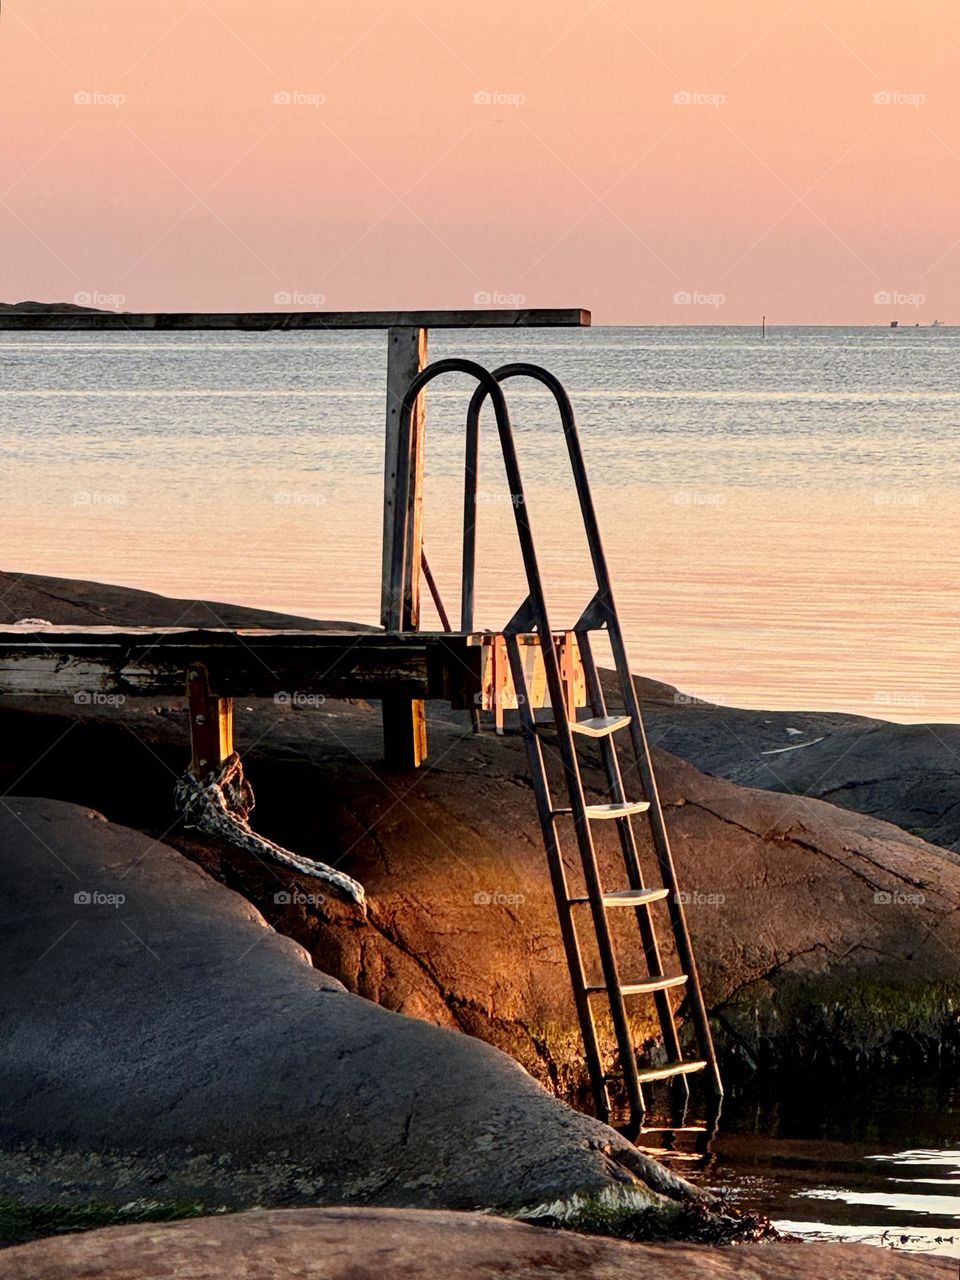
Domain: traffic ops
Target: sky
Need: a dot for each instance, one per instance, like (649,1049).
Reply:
(707,161)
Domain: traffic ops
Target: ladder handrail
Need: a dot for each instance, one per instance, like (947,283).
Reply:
(402,549)
(632,706)
(533,615)
(489,385)
(569,423)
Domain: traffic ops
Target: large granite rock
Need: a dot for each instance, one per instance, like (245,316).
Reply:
(907,774)
(384,1244)
(160,1041)
(823,936)
(40,307)
(88,604)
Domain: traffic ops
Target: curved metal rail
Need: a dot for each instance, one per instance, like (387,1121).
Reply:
(600,613)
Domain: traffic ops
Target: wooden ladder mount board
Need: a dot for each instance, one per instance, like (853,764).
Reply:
(499,693)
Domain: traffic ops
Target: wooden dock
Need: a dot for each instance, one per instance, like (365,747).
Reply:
(400,665)
(145,662)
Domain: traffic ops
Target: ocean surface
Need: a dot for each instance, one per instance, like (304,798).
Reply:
(875,1161)
(781,516)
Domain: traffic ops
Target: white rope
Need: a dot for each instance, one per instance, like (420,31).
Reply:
(220,806)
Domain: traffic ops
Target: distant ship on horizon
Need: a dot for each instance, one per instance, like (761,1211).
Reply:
(934,324)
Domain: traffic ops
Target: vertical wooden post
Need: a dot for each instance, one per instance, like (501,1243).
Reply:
(568,656)
(211,724)
(404,721)
(497,681)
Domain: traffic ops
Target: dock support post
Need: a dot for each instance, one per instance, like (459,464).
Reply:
(211,725)
(404,721)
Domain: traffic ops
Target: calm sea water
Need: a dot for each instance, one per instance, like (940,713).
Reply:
(878,1164)
(781,516)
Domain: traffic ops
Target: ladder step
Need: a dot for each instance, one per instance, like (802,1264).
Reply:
(596,727)
(669,1155)
(671,1069)
(648,1074)
(678,1128)
(628,897)
(623,809)
(646,987)
(599,726)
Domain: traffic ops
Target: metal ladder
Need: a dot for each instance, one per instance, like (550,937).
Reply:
(605,729)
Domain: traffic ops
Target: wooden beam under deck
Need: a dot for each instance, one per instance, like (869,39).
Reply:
(150,662)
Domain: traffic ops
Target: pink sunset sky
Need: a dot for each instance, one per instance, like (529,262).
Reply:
(702,162)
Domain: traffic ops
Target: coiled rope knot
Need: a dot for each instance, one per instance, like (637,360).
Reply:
(221,806)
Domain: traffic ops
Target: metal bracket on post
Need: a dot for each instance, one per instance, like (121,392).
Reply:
(211,724)
(404,720)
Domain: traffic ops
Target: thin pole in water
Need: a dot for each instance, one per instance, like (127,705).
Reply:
(763,328)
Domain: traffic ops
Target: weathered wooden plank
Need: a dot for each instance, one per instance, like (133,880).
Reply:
(480,318)
(400,584)
(140,662)
(404,722)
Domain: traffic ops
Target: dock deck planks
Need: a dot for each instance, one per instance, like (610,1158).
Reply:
(252,663)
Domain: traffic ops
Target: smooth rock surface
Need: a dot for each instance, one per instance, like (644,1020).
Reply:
(907,774)
(66,600)
(160,1041)
(355,1244)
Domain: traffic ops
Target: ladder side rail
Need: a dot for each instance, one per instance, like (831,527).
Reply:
(471,480)
(488,385)
(631,856)
(568,757)
(578,466)
(561,890)
(661,843)
(658,829)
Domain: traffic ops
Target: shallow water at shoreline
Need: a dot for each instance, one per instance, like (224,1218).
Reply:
(781,518)
(876,1161)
